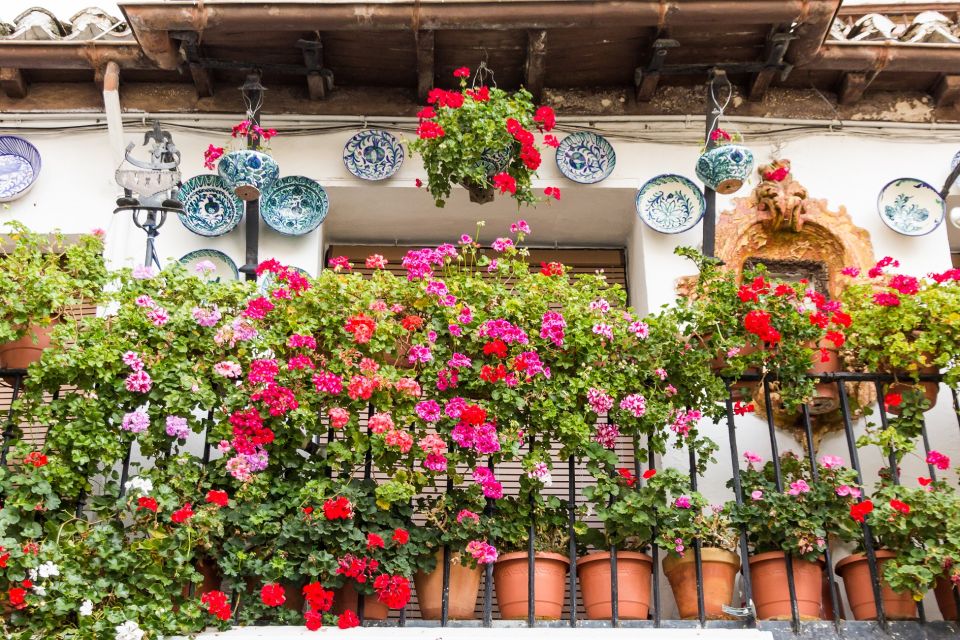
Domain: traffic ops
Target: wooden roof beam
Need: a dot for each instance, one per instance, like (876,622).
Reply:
(645,81)
(536,64)
(426,64)
(853,86)
(13,83)
(947,91)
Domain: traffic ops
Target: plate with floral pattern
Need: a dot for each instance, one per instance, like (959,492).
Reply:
(225,267)
(210,208)
(911,207)
(670,203)
(19,167)
(586,157)
(373,154)
(294,205)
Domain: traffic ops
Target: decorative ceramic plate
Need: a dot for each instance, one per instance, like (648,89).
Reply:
(911,207)
(494,161)
(19,167)
(294,205)
(210,207)
(586,157)
(226,269)
(373,154)
(670,203)
(267,279)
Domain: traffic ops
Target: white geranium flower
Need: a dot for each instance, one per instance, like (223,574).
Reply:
(33,573)
(143,485)
(40,591)
(129,630)
(86,608)
(48,570)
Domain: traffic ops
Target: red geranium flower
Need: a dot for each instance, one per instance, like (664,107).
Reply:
(272,594)
(551,141)
(217,604)
(374,542)
(393,591)
(313,620)
(552,192)
(892,400)
(338,509)
(860,510)
(479,95)
(505,182)
(219,498)
(426,113)
(318,598)
(545,117)
(429,129)
(182,514)
(148,503)
(462,72)
(4,556)
(924,482)
(496,348)
(777,175)
(17,597)
(719,134)
(401,536)
(649,473)
(900,506)
(551,268)
(36,458)
(627,476)
(348,619)
(741,409)
(474,415)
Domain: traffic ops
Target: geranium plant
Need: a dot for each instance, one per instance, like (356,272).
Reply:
(481,137)
(798,517)
(246,134)
(753,323)
(43,275)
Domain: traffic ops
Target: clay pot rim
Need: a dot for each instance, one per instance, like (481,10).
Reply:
(540,555)
(598,556)
(717,555)
(770,555)
(879,554)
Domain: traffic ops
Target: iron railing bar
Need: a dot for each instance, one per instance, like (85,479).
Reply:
(926,448)
(778,478)
(738,496)
(815,474)
(572,506)
(655,551)
(8,427)
(697,552)
(867,534)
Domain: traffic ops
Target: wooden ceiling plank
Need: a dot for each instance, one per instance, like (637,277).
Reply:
(13,82)
(947,92)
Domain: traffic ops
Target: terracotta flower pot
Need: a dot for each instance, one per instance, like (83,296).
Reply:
(856,580)
(293,592)
(21,353)
(510,575)
(771,592)
(633,585)
(944,593)
(346,598)
(212,578)
(825,396)
(930,389)
(719,573)
(464,586)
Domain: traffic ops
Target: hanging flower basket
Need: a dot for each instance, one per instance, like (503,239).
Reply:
(482,138)
(251,170)
(727,166)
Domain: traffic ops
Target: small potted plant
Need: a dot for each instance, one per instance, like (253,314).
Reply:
(688,518)
(481,137)
(510,529)
(796,520)
(755,324)
(725,167)
(905,326)
(453,522)
(627,508)
(42,277)
(248,167)
(916,543)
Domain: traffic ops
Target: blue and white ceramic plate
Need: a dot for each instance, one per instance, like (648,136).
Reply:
(19,167)
(670,203)
(226,269)
(911,207)
(294,205)
(586,157)
(267,279)
(210,208)
(373,154)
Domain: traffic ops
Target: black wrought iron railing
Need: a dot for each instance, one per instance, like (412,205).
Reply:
(744,616)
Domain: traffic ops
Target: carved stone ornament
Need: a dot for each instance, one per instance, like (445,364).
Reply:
(779,222)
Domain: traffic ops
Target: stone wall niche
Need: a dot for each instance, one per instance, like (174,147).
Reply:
(796,236)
